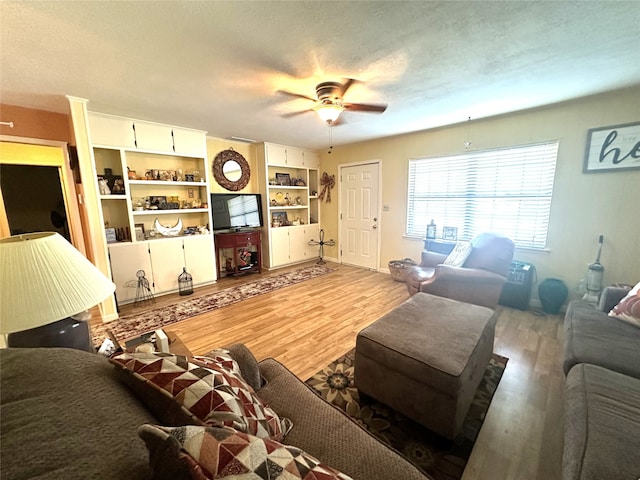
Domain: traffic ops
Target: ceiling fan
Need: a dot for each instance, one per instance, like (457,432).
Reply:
(329,103)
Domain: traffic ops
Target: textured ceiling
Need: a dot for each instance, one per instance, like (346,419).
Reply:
(217,66)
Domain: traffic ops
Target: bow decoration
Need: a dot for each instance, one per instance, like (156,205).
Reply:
(328,182)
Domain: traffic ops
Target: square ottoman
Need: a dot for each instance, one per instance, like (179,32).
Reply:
(426,358)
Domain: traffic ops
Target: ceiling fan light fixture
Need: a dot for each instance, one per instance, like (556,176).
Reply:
(329,112)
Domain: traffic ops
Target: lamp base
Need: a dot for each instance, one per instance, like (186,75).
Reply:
(68,333)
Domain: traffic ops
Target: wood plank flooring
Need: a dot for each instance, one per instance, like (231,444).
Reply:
(307,325)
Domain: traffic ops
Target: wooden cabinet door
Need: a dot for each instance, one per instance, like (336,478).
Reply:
(276,154)
(310,159)
(198,253)
(189,143)
(126,260)
(111,131)
(155,137)
(167,260)
(279,248)
(297,246)
(295,157)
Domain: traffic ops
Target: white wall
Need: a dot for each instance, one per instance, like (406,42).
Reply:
(583,206)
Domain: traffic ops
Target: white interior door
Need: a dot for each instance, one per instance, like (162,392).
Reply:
(359,198)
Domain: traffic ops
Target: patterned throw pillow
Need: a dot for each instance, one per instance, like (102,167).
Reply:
(629,307)
(223,453)
(210,390)
(459,254)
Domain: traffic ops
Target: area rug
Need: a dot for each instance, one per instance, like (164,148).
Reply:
(436,456)
(129,326)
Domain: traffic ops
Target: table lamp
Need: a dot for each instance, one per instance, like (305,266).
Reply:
(44,281)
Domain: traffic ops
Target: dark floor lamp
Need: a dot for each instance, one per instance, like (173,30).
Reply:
(44,282)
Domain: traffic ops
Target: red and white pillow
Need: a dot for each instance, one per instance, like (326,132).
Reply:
(209,453)
(628,309)
(209,390)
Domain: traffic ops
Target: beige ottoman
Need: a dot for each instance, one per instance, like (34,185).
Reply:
(425,359)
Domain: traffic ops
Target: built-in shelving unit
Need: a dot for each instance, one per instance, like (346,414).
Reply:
(288,179)
(162,170)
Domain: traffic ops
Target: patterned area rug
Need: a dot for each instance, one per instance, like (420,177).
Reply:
(440,458)
(129,326)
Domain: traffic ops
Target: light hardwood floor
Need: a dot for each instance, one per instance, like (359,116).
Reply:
(305,326)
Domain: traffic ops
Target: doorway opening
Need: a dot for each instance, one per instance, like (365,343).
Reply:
(33,199)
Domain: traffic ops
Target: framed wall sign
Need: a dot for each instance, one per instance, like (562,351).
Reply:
(612,148)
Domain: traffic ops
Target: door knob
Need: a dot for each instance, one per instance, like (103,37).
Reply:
(375,226)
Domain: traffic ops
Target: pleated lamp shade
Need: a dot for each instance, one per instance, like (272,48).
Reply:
(43,278)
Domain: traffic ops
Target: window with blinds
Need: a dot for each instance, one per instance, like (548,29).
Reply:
(507,191)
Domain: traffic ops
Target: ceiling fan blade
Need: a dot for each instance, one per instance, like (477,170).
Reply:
(297,95)
(365,107)
(347,85)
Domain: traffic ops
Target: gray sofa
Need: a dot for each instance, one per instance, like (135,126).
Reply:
(66,414)
(602,392)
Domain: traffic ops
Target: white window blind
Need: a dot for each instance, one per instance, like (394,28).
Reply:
(507,191)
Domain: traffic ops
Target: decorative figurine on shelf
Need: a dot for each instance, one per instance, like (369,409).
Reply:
(103,186)
(118,186)
(168,231)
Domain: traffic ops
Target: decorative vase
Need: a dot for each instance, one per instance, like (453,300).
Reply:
(552,292)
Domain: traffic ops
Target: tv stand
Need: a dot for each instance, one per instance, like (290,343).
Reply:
(247,243)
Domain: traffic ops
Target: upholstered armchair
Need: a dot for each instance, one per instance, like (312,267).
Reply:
(480,278)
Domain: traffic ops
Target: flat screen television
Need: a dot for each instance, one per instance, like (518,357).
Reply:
(235,211)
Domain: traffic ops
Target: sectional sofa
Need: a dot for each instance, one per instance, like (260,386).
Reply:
(67,414)
(602,392)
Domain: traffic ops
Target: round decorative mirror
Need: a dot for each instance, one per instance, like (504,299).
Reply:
(231,170)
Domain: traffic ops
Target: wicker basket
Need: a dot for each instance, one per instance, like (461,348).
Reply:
(398,269)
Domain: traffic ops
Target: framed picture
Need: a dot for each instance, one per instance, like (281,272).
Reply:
(450,233)
(279,219)
(283,179)
(156,200)
(612,148)
(139,231)
(110,233)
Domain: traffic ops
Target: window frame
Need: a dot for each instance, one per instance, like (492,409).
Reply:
(485,187)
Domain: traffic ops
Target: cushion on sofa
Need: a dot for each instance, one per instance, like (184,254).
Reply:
(491,252)
(66,415)
(212,452)
(591,336)
(209,390)
(628,309)
(247,362)
(327,433)
(602,421)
